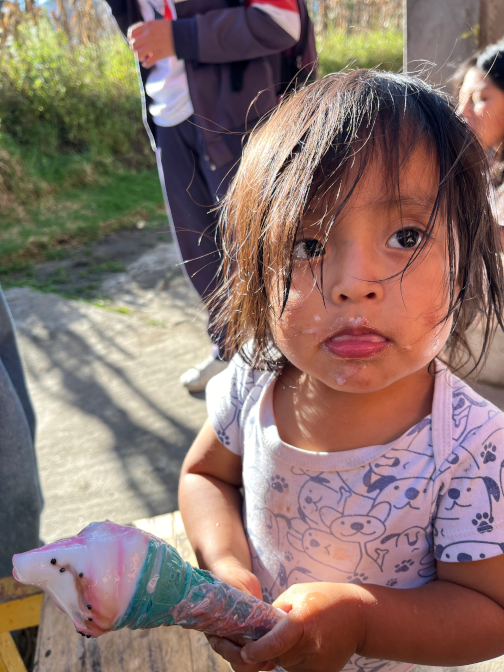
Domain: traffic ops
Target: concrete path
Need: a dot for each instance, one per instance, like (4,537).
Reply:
(114,423)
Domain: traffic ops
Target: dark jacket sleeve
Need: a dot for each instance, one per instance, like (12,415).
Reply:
(229,35)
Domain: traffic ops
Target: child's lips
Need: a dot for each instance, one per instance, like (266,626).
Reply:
(356,345)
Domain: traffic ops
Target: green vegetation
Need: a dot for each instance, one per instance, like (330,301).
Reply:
(58,97)
(75,161)
(371,49)
(80,215)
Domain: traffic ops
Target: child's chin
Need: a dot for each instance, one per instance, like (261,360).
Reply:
(357,376)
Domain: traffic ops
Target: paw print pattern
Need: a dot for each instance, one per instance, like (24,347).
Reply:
(288,556)
(357,578)
(279,484)
(488,453)
(223,437)
(391,583)
(267,596)
(482,522)
(404,566)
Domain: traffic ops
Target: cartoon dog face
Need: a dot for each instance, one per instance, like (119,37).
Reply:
(317,493)
(404,493)
(357,528)
(463,492)
(467,551)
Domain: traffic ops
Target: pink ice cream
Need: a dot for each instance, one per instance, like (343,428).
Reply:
(98,573)
(110,576)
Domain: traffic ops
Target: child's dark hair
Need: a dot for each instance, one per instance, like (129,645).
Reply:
(302,154)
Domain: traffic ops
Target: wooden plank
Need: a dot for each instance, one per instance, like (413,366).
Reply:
(10,590)
(203,657)
(182,543)
(61,649)
(20,613)
(170,528)
(9,654)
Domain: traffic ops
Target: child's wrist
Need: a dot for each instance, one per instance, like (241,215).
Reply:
(224,563)
(231,570)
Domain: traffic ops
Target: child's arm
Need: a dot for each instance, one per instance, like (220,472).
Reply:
(456,620)
(211,504)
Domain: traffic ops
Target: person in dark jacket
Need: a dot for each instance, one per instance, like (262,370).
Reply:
(20,494)
(204,64)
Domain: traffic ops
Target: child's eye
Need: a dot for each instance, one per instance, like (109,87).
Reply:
(405,238)
(308,249)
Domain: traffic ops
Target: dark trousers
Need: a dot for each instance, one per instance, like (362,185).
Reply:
(20,495)
(193,186)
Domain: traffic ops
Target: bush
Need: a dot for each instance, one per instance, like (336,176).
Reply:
(58,97)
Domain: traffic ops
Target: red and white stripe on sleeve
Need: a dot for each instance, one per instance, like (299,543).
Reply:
(284,12)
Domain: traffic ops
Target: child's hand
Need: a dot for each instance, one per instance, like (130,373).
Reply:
(232,572)
(322,630)
(152,41)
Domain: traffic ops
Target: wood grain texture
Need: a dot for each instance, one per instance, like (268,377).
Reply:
(20,613)
(173,649)
(10,590)
(9,655)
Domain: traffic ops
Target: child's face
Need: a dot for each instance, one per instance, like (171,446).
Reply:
(369,332)
(482,104)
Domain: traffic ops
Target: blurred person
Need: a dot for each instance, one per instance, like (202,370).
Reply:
(204,64)
(20,494)
(481,101)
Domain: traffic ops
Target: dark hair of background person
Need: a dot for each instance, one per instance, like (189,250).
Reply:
(491,62)
(301,158)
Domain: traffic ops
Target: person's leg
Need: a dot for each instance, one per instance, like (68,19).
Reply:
(218,180)
(192,188)
(189,202)
(20,494)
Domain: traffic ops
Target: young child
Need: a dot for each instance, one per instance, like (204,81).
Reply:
(360,248)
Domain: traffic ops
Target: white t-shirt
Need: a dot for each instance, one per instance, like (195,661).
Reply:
(167,80)
(380,514)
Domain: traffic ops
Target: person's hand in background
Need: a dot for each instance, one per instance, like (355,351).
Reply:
(152,41)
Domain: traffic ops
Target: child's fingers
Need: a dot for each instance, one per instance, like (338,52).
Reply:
(231,652)
(286,634)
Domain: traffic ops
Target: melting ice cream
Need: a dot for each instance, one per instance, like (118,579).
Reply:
(110,576)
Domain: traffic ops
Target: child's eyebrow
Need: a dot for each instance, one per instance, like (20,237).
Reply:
(419,202)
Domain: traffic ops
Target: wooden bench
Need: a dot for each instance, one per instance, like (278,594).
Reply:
(19,608)
(61,649)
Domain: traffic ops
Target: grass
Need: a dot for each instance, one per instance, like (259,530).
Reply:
(80,215)
(372,49)
(79,271)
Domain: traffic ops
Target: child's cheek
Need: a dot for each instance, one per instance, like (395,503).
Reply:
(297,317)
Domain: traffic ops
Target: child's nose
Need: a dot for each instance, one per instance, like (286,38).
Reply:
(466,108)
(357,277)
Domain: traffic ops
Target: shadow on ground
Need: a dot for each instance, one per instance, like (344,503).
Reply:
(114,423)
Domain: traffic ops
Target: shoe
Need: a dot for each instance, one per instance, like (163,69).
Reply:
(196,378)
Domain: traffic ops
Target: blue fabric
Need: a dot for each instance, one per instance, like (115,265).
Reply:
(20,494)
